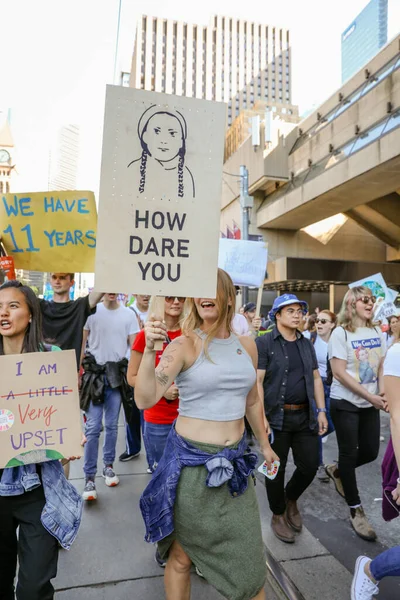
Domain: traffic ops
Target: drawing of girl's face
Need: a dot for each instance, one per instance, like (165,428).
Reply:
(163,137)
(363,355)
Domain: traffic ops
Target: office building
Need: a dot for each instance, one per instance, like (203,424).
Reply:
(63,162)
(364,37)
(230,60)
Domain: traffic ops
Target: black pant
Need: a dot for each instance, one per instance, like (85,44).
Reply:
(357,433)
(296,435)
(36,549)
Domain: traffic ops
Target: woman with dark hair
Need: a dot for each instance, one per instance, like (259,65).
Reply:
(162,135)
(36,497)
(356,352)
(390,333)
(200,505)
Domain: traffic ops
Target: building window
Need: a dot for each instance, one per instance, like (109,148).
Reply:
(7,187)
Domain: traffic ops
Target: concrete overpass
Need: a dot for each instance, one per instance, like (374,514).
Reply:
(343,158)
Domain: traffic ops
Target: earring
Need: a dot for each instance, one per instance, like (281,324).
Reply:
(30,319)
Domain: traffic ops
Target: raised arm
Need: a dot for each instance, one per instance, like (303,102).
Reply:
(95,298)
(151,384)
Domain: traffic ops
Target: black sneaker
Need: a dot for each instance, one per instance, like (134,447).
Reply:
(125,456)
(160,561)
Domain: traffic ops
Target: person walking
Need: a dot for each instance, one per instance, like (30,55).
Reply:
(293,393)
(158,420)
(325,324)
(356,352)
(368,573)
(35,498)
(63,318)
(200,505)
(393,321)
(135,424)
(109,334)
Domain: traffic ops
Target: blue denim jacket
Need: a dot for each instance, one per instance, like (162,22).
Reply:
(62,513)
(232,465)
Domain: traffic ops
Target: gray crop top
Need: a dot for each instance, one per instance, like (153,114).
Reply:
(217,391)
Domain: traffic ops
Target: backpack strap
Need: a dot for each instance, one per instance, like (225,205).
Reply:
(313,337)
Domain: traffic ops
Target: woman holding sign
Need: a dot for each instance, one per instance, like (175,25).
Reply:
(200,505)
(36,497)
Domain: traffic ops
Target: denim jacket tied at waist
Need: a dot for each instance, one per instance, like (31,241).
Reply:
(62,512)
(231,465)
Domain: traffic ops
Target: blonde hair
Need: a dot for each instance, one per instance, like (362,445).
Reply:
(347,314)
(225,301)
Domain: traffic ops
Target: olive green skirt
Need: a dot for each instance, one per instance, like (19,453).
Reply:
(220,534)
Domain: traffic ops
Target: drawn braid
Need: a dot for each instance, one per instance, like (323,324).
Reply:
(143,163)
(181,164)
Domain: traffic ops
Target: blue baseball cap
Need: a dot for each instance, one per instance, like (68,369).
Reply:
(286,300)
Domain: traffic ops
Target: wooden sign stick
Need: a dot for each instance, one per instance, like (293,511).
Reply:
(158,311)
(259,299)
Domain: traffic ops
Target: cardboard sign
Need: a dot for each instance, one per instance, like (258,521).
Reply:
(160,192)
(245,261)
(39,408)
(384,306)
(50,231)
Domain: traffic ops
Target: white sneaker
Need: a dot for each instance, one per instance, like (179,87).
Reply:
(362,587)
(89,493)
(110,476)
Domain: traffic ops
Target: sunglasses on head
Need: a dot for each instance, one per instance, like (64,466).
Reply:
(172,298)
(323,321)
(367,299)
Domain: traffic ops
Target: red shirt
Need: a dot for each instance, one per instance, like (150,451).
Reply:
(165,411)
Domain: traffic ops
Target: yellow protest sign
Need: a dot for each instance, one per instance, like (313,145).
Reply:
(39,408)
(50,231)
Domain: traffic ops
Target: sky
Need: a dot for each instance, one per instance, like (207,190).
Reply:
(58,56)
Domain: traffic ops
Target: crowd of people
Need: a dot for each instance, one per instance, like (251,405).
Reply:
(221,377)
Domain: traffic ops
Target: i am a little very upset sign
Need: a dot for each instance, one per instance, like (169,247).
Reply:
(39,408)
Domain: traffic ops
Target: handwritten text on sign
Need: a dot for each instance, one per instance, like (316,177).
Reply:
(244,260)
(39,408)
(160,193)
(50,231)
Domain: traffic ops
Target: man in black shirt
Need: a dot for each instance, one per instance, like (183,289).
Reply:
(63,318)
(290,384)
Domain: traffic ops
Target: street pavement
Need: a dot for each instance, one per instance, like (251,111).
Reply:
(110,560)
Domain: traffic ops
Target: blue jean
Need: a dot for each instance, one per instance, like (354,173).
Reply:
(155,438)
(386,564)
(132,428)
(94,415)
(331,427)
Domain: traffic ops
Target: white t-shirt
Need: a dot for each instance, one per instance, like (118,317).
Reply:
(391,366)
(363,351)
(136,311)
(321,350)
(307,334)
(109,331)
(240,325)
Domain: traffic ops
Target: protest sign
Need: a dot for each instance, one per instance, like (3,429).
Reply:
(39,408)
(50,231)
(245,261)
(384,306)
(160,191)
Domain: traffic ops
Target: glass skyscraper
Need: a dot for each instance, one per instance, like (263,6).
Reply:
(362,39)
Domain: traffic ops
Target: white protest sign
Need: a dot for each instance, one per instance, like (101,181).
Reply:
(160,191)
(384,306)
(39,408)
(245,261)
